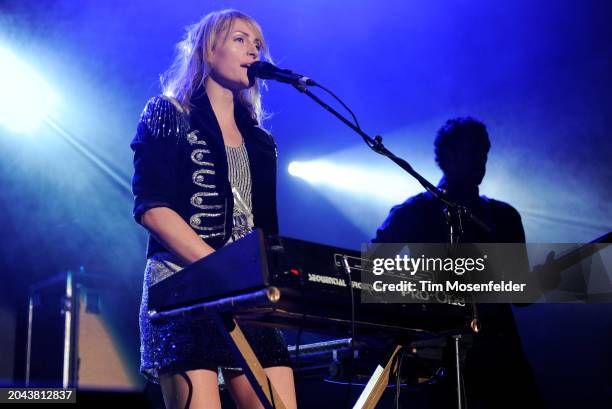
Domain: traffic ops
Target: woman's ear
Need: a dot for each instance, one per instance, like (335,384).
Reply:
(209,58)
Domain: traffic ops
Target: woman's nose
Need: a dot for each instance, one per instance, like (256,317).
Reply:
(253,52)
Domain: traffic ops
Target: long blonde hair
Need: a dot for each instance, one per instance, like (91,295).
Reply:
(190,68)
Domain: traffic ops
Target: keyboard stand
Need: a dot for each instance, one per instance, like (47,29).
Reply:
(378,382)
(220,309)
(269,398)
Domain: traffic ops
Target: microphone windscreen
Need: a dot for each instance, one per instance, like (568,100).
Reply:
(260,69)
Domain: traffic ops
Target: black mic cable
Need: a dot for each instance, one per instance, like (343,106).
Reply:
(268,71)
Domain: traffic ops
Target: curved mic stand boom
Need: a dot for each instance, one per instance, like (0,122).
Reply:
(454,211)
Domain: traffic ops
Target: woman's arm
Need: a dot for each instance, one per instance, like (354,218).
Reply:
(174,234)
(157,155)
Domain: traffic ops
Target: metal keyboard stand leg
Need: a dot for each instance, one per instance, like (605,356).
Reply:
(378,382)
(243,352)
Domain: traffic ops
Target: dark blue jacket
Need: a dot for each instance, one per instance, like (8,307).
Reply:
(180,163)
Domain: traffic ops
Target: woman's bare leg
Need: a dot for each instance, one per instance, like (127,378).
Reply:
(200,387)
(244,396)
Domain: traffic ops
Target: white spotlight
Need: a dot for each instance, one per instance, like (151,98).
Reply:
(311,171)
(295,169)
(26,97)
(378,184)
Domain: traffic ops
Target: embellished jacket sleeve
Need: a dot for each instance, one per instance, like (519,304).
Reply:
(156,148)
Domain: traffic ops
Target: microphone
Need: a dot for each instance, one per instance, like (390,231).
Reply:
(267,71)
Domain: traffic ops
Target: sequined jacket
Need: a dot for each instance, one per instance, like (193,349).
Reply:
(180,163)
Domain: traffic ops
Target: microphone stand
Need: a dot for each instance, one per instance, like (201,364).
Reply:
(453,212)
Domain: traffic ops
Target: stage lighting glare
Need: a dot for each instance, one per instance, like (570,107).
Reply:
(344,177)
(27,98)
(379,184)
(316,171)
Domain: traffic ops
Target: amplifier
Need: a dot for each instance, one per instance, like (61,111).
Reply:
(83,332)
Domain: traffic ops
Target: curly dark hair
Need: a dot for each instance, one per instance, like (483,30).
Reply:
(457,132)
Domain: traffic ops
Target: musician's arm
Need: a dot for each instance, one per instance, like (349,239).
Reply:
(175,234)
(520,258)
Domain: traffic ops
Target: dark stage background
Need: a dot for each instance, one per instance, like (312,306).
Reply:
(536,72)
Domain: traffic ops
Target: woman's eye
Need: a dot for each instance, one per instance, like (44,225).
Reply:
(239,39)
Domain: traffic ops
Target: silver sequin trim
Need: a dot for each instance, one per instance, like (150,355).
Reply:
(208,236)
(211,214)
(198,176)
(204,184)
(211,207)
(192,138)
(198,201)
(207,194)
(197,157)
(196,223)
(164,119)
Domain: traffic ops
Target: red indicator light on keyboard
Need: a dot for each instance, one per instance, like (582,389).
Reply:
(294,271)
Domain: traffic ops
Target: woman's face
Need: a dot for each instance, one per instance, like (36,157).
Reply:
(230,58)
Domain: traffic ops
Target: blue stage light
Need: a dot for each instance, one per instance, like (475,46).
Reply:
(26,97)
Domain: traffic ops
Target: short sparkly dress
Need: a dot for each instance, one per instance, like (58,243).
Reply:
(183,344)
